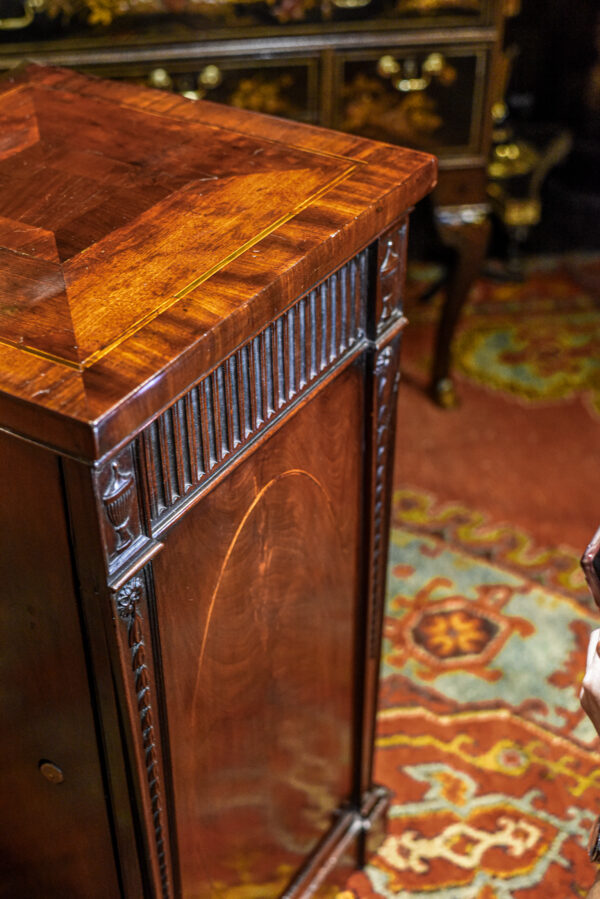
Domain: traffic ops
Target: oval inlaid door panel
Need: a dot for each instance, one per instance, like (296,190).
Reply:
(259,681)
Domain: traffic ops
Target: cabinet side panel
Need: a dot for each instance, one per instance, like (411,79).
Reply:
(256,603)
(55,839)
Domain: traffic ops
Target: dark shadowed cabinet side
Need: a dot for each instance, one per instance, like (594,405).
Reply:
(197,415)
(56,835)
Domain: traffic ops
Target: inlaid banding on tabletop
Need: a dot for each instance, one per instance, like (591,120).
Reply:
(95,247)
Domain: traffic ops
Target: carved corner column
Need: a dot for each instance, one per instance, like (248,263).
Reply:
(128,550)
(112,551)
(382,395)
(138,671)
(383,376)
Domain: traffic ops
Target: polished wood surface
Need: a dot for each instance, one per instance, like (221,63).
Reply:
(102,206)
(265,607)
(419,73)
(196,492)
(56,837)
(98,295)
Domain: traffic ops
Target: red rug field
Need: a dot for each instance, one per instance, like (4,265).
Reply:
(494,769)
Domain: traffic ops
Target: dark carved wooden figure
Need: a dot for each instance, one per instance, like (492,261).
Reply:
(200,315)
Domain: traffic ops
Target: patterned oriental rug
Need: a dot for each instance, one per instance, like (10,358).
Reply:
(523,445)
(493,766)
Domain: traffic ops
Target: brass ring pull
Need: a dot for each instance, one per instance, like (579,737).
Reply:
(210,77)
(411,85)
(160,79)
(405,74)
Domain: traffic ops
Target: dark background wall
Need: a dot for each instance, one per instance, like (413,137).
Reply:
(556,82)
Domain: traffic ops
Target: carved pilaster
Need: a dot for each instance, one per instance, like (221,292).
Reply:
(386,380)
(121,522)
(129,602)
(127,542)
(381,417)
(391,268)
(118,504)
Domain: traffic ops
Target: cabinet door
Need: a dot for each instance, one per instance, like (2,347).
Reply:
(256,605)
(55,841)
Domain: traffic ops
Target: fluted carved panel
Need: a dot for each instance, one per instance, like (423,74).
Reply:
(237,400)
(386,380)
(128,602)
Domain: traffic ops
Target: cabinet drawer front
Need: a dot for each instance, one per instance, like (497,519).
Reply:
(431,98)
(281,87)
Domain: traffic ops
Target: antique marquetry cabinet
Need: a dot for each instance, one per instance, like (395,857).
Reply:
(200,315)
(419,73)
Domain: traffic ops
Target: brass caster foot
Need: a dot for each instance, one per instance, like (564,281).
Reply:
(444,394)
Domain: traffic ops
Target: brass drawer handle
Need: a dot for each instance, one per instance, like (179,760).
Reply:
(161,79)
(405,75)
(209,78)
(387,66)
(408,85)
(30,8)
(434,64)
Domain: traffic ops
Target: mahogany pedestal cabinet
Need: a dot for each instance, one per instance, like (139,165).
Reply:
(200,314)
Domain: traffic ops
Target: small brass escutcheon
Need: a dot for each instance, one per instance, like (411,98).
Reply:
(51,771)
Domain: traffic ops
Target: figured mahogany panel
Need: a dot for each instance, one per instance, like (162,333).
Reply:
(56,840)
(255,599)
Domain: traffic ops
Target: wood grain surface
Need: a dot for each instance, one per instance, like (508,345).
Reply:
(56,833)
(142,234)
(201,309)
(259,651)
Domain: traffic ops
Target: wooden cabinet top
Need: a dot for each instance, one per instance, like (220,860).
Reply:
(143,237)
